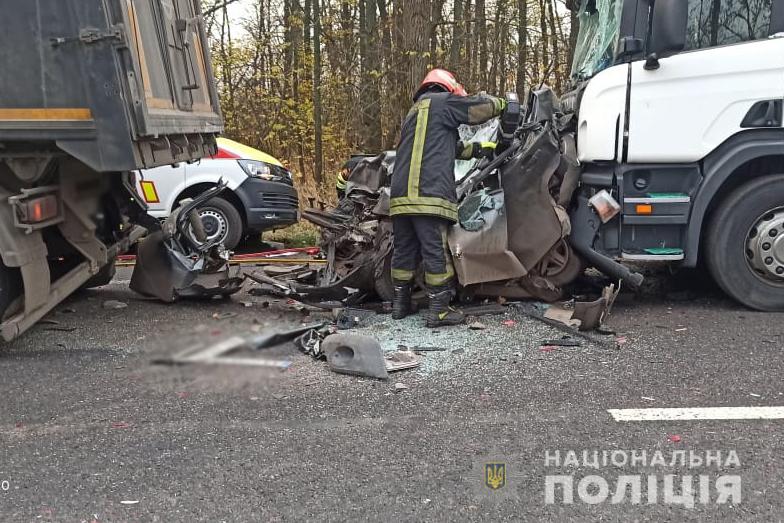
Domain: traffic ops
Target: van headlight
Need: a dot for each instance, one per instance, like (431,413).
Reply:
(256,169)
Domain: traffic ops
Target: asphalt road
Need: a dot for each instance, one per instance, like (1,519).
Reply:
(92,431)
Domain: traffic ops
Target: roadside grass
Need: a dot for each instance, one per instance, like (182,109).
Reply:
(301,234)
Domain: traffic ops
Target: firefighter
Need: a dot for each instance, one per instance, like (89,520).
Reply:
(345,172)
(423,201)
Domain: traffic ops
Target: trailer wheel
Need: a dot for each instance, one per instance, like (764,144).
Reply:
(745,244)
(221,219)
(102,277)
(10,287)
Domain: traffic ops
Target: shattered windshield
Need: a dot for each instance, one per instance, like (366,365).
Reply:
(485,132)
(600,25)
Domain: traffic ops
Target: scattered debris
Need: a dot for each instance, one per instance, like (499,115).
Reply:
(223,315)
(477,326)
(754,395)
(428,349)
(401,360)
(400,387)
(350,318)
(647,398)
(60,328)
(561,342)
(485,310)
(246,303)
(215,353)
(355,354)
(129,501)
(674,438)
(681,329)
(114,304)
(509,323)
(120,425)
(67,310)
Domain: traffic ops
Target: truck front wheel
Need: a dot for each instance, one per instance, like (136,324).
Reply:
(745,244)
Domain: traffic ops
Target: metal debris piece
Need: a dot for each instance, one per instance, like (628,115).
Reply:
(477,326)
(355,354)
(216,353)
(428,349)
(400,387)
(177,261)
(350,318)
(114,304)
(484,310)
(401,360)
(561,342)
(263,341)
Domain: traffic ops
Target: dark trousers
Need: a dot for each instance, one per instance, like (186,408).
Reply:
(421,237)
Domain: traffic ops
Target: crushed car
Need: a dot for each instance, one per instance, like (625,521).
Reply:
(513,238)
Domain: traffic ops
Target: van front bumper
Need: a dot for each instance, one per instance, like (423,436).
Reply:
(268,204)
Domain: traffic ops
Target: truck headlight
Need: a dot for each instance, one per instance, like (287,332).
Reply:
(256,169)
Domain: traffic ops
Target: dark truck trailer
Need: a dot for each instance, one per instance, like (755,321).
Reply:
(90,90)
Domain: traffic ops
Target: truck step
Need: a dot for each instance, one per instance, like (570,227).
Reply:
(654,254)
(659,197)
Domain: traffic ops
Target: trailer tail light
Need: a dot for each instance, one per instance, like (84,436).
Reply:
(644,208)
(40,209)
(37,208)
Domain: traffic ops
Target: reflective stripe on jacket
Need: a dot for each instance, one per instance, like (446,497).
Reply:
(423,180)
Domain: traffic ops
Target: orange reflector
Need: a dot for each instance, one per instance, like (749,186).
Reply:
(149,192)
(644,208)
(41,209)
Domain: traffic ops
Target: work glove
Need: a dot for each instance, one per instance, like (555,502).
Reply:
(483,149)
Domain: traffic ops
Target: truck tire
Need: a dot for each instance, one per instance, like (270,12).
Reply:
(10,287)
(745,244)
(102,277)
(221,218)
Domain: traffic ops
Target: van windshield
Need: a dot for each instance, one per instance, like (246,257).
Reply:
(600,27)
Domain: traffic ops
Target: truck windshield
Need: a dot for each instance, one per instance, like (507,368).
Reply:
(600,25)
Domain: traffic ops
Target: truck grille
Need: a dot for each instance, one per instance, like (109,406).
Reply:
(279,201)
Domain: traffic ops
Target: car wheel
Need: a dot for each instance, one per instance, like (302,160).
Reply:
(745,244)
(222,220)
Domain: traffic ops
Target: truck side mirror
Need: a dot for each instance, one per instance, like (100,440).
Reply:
(668,30)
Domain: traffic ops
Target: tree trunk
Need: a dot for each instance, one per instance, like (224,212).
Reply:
(522,46)
(458,32)
(481,35)
(317,109)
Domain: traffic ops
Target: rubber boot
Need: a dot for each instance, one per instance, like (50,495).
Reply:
(401,304)
(440,313)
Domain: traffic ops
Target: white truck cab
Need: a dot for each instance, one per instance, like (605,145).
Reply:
(679,109)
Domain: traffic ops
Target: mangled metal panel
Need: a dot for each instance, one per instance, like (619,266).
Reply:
(483,255)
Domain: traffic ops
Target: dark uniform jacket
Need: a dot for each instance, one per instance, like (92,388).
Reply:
(423,180)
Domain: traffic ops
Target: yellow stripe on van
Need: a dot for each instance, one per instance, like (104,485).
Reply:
(40,113)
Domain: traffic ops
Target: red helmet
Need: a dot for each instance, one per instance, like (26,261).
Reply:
(443,78)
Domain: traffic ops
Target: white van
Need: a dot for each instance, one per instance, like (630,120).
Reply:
(260,194)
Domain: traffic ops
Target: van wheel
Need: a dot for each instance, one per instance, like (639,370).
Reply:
(222,220)
(745,244)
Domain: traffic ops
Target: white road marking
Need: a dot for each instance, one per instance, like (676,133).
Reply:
(704,413)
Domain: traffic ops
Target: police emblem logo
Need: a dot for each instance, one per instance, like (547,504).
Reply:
(495,475)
